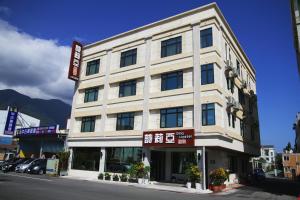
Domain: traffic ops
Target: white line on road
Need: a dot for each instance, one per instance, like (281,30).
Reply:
(41,179)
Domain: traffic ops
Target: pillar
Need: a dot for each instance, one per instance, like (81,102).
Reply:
(146,158)
(70,159)
(102,160)
(201,164)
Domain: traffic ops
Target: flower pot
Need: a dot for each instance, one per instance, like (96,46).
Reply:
(198,186)
(217,188)
(140,181)
(189,185)
(146,181)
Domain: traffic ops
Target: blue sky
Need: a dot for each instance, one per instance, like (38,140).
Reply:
(263,28)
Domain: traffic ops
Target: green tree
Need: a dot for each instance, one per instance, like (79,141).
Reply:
(288,147)
(278,161)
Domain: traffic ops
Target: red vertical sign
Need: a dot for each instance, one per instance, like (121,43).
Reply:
(75,61)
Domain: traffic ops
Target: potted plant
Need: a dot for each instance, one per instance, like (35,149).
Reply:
(115,177)
(107,176)
(63,163)
(196,176)
(188,175)
(124,177)
(146,174)
(100,176)
(139,167)
(217,179)
(132,174)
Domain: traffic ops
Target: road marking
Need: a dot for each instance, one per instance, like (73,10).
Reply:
(41,179)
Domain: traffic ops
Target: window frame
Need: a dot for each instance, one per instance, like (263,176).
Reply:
(165,44)
(167,76)
(205,111)
(91,65)
(124,84)
(206,71)
(129,54)
(167,111)
(88,119)
(206,38)
(121,117)
(88,92)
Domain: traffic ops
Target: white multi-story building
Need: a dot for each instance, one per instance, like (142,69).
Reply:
(174,92)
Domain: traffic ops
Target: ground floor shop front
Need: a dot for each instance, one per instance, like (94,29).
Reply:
(166,164)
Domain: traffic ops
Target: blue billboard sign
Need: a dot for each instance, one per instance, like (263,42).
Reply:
(5,140)
(34,131)
(11,121)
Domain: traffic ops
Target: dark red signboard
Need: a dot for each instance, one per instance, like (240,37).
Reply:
(170,138)
(76,54)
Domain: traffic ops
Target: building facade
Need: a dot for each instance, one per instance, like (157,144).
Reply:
(268,154)
(291,165)
(296,127)
(174,92)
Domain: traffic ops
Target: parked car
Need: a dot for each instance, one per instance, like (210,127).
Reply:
(37,167)
(7,156)
(11,165)
(23,166)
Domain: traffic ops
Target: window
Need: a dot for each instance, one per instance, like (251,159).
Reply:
(233,121)
(286,158)
(241,97)
(119,159)
(181,161)
(242,127)
(86,158)
(206,38)
(171,47)
(207,74)
(127,88)
(230,84)
(208,114)
(238,67)
(88,124)
(128,58)
(91,94)
(232,164)
(171,117)
(92,67)
(229,119)
(125,121)
(171,81)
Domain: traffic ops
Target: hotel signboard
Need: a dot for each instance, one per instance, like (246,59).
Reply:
(11,121)
(75,61)
(169,138)
(36,131)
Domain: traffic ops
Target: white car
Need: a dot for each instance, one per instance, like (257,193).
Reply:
(22,167)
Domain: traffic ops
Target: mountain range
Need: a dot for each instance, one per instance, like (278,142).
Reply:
(49,112)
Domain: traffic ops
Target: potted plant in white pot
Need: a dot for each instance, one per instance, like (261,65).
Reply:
(188,175)
(146,174)
(139,168)
(196,176)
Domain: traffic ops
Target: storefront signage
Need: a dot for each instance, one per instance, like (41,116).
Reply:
(75,61)
(52,166)
(11,121)
(170,138)
(44,130)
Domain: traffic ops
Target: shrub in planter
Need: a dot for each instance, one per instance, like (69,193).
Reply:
(218,177)
(116,177)
(100,176)
(193,175)
(107,176)
(124,177)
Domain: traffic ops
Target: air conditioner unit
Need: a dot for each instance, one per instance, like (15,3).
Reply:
(230,101)
(229,65)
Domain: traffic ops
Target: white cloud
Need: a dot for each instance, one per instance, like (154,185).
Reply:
(33,66)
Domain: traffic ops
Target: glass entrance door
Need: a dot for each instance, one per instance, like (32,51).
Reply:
(158,165)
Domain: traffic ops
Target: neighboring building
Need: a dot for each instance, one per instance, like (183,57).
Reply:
(268,153)
(296,127)
(291,165)
(177,91)
(6,141)
(295,6)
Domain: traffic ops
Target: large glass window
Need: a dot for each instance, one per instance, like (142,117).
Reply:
(206,38)
(88,124)
(125,121)
(119,159)
(207,74)
(208,114)
(91,94)
(128,58)
(86,158)
(92,67)
(181,160)
(171,81)
(230,84)
(127,88)
(241,97)
(171,47)
(171,117)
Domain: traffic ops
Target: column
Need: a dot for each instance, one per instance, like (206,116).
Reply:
(102,160)
(70,158)
(201,164)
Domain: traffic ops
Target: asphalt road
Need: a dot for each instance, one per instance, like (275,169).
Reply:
(34,187)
